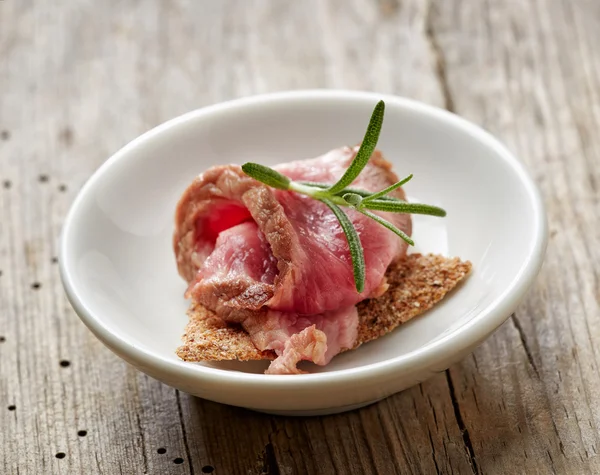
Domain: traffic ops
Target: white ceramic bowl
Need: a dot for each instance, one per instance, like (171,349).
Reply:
(119,272)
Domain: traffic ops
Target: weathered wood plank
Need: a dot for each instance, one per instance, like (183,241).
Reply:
(78,81)
(529,399)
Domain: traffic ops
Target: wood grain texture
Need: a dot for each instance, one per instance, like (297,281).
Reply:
(78,80)
(538,89)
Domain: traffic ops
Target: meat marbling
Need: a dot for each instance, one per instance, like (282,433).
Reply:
(278,262)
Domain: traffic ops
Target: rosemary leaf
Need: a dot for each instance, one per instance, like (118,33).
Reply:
(356,250)
(389,189)
(367,147)
(266,175)
(388,225)
(403,207)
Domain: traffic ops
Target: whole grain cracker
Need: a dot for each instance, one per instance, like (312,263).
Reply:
(416,284)
(208,338)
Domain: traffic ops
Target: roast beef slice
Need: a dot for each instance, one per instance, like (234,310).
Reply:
(417,283)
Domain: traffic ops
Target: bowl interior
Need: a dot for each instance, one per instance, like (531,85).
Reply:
(117,250)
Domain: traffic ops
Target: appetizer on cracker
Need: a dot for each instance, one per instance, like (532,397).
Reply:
(304,260)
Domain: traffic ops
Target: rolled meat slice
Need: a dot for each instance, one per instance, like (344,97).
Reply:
(254,254)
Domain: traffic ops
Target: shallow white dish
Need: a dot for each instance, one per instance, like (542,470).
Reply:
(119,272)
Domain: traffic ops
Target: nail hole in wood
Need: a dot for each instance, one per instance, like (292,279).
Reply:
(65,363)
(60,455)
(208,469)
(6,184)
(62,188)
(43,178)
(54,260)
(36,285)
(12,407)
(5,135)
(66,136)
(2,339)
(82,433)
(178,460)
(162,450)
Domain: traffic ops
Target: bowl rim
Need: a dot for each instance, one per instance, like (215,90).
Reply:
(456,341)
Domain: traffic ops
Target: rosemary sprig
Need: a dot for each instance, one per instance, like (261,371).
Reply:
(388,225)
(389,189)
(356,250)
(340,194)
(367,147)
(400,207)
(266,175)
(362,193)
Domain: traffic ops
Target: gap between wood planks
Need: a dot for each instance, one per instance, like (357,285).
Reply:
(439,60)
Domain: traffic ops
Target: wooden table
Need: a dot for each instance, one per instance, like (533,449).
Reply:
(80,78)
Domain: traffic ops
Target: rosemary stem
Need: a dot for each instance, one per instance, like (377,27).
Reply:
(316,193)
(303,189)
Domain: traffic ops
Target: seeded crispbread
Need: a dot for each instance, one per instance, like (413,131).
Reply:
(208,338)
(416,284)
